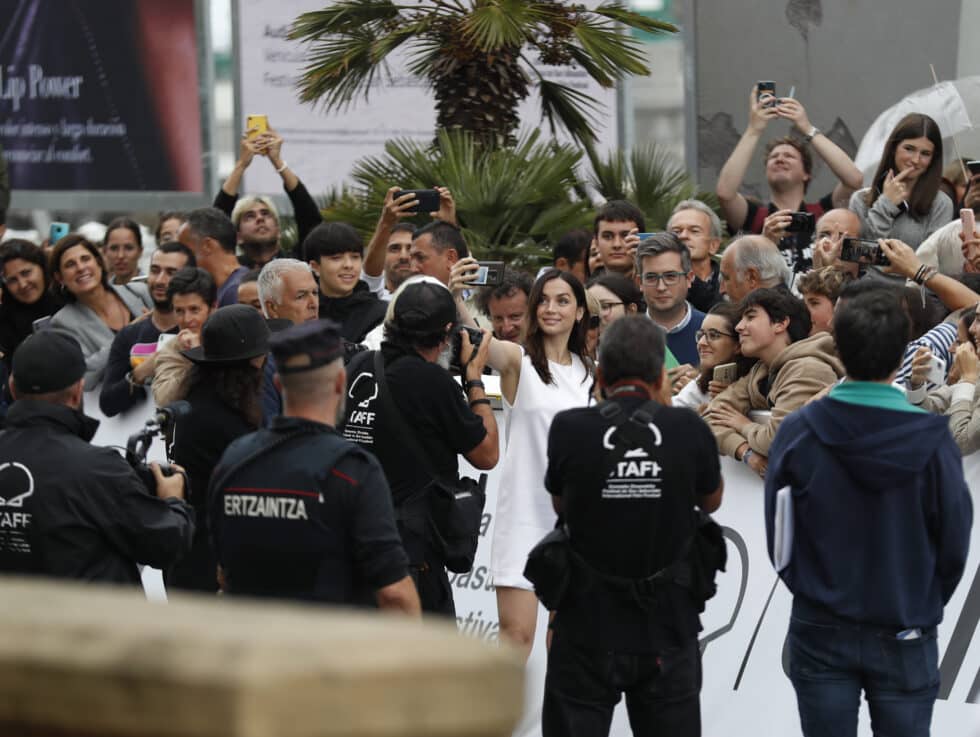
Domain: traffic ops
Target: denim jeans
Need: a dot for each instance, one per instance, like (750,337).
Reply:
(831,660)
(583,686)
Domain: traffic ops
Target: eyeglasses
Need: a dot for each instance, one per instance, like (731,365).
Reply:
(607,306)
(669,278)
(712,335)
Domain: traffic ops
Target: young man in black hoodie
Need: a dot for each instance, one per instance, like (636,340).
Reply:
(868,522)
(335,252)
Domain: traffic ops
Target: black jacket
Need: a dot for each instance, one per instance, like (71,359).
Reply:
(73,510)
(358,313)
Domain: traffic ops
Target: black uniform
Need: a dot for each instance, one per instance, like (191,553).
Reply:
(629,524)
(72,510)
(432,404)
(310,517)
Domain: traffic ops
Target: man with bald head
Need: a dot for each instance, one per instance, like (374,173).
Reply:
(751,262)
(832,228)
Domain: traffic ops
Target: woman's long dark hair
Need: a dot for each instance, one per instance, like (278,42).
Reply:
(733,313)
(237,386)
(534,343)
(913,125)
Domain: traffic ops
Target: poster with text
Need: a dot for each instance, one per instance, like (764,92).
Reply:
(100,95)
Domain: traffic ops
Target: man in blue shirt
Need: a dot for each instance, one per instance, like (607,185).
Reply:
(868,522)
(664,265)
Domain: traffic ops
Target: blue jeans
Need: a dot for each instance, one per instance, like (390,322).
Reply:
(831,660)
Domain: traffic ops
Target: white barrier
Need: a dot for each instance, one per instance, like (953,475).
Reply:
(745,690)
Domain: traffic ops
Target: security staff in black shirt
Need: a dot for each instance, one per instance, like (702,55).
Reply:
(295,510)
(69,509)
(444,425)
(628,504)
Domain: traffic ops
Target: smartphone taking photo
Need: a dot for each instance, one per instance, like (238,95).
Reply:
(860,251)
(489,274)
(428,199)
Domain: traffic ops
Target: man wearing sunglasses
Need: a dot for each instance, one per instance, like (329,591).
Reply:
(664,265)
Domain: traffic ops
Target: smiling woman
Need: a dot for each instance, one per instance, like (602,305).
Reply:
(904,200)
(96,310)
(25,295)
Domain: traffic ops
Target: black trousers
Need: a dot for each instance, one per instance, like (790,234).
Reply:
(583,686)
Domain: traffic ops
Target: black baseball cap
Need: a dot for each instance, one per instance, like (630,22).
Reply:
(232,334)
(47,362)
(319,340)
(424,307)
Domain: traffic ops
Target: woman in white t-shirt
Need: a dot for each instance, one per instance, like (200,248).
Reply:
(549,374)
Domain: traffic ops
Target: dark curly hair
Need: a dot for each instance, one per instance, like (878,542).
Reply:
(238,387)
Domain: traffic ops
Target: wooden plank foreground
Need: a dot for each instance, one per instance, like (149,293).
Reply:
(88,661)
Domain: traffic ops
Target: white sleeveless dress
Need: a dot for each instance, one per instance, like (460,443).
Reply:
(524,513)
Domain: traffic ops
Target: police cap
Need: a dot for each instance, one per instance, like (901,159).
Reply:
(319,340)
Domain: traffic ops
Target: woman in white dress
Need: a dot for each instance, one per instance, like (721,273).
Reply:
(550,374)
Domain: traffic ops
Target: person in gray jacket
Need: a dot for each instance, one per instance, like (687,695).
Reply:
(95,310)
(904,201)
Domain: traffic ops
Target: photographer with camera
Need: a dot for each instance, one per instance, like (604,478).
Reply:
(408,382)
(68,509)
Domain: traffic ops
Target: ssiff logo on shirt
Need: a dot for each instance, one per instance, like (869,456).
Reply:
(636,476)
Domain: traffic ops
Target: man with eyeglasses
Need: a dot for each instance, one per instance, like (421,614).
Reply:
(664,265)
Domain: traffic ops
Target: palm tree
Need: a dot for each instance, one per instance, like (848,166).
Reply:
(480,57)
(512,203)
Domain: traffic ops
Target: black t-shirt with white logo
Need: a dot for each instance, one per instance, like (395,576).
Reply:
(632,522)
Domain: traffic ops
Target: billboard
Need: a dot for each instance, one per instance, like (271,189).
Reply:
(101,96)
(322,148)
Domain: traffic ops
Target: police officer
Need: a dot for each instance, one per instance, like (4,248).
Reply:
(625,476)
(295,510)
(69,509)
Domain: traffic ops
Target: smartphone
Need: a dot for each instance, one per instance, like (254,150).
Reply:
(969,221)
(937,371)
(644,236)
(164,339)
(428,199)
(490,274)
(766,90)
(861,251)
(974,167)
(256,125)
(57,232)
(725,372)
(42,323)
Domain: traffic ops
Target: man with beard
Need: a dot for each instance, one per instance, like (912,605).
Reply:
(255,218)
(132,357)
(298,512)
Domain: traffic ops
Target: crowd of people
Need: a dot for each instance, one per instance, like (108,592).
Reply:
(814,341)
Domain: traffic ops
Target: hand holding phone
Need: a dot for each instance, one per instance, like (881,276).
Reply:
(937,371)
(57,232)
(725,373)
(765,91)
(428,199)
(489,274)
(256,125)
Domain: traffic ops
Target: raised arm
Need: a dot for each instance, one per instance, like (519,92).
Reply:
(733,203)
(840,163)
(392,212)
(951,293)
(226,198)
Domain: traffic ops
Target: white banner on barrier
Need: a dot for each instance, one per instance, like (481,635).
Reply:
(745,690)
(324,147)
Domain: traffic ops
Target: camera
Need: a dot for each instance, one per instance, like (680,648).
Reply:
(802,222)
(476,337)
(863,252)
(138,444)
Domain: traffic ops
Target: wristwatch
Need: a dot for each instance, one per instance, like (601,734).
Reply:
(746,455)
(814,131)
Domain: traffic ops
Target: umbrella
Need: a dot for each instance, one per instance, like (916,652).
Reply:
(953,105)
